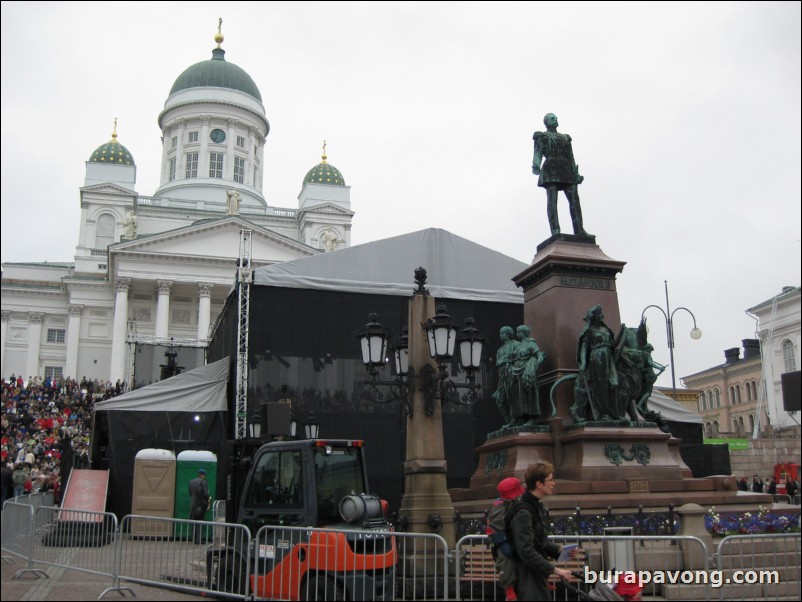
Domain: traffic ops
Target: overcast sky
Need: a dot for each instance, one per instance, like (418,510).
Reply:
(685,119)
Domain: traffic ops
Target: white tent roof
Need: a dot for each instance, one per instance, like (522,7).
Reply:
(672,410)
(200,390)
(456,269)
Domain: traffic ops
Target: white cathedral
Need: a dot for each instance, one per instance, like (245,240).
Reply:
(161,266)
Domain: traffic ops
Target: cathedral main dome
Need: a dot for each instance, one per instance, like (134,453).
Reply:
(216,73)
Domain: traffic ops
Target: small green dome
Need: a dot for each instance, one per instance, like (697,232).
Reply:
(324,172)
(112,152)
(216,73)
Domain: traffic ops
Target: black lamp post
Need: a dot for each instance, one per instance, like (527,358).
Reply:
(669,317)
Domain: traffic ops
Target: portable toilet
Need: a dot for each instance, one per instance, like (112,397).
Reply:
(188,464)
(154,492)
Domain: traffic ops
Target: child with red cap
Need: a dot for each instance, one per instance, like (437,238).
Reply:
(503,552)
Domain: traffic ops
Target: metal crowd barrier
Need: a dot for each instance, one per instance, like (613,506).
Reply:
(75,539)
(772,552)
(781,498)
(335,564)
(18,536)
(476,579)
(174,553)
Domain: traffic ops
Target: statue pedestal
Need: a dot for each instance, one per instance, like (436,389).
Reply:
(597,453)
(566,278)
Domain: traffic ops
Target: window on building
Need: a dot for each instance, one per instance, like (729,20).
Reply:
(215,165)
(715,428)
(737,393)
(174,142)
(239,169)
(701,402)
(193,136)
(241,141)
(104,231)
(171,174)
(54,372)
(751,422)
(708,430)
(55,335)
(192,165)
(717,397)
(789,357)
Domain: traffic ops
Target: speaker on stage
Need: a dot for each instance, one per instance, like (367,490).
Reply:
(792,391)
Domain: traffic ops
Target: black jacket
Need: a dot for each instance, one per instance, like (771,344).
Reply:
(528,534)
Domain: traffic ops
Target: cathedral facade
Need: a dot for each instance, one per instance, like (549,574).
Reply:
(159,268)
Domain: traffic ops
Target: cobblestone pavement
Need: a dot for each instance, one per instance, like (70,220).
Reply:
(67,584)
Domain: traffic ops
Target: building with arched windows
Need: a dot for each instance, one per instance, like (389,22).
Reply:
(732,399)
(159,267)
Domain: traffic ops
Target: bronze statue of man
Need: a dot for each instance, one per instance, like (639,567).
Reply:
(558,172)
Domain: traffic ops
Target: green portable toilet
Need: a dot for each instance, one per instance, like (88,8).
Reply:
(187,465)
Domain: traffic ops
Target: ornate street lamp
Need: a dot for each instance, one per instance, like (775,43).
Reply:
(373,339)
(442,336)
(312,427)
(669,318)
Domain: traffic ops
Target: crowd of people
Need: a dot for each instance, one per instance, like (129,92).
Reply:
(769,485)
(43,422)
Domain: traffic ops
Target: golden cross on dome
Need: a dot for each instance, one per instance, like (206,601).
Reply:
(114,133)
(324,152)
(219,36)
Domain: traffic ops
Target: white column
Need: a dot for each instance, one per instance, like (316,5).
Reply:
(166,137)
(73,339)
(163,308)
(204,308)
(34,343)
(251,161)
(204,316)
(231,139)
(6,319)
(181,162)
(203,154)
(118,343)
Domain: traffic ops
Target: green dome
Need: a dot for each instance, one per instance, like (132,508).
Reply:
(216,73)
(112,152)
(325,173)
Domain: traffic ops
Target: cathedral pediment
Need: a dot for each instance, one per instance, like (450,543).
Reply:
(213,241)
(326,209)
(105,189)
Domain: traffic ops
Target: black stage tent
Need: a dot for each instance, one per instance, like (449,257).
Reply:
(187,411)
(303,316)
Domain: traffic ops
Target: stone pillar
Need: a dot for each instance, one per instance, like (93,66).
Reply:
(163,308)
(6,315)
(250,164)
(73,340)
(119,335)
(34,343)
(692,522)
(426,501)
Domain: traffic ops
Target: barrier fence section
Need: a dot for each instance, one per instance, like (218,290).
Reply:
(75,539)
(760,566)
(185,555)
(602,555)
(300,563)
(18,535)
